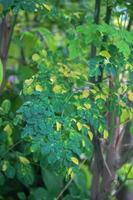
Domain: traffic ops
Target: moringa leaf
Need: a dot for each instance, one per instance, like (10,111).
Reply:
(1,72)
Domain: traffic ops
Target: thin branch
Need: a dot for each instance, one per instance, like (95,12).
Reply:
(123,182)
(2,157)
(70,181)
(96,21)
(107,167)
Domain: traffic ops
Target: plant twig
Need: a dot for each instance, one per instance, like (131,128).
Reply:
(10,149)
(70,181)
(123,182)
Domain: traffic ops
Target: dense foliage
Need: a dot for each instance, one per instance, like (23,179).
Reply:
(66,75)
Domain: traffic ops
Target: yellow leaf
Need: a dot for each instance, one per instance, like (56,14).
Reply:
(37,5)
(58,126)
(53,79)
(44,53)
(70,172)
(48,7)
(79,107)
(77,14)
(105,134)
(101,96)
(5,165)
(24,160)
(93,91)
(28,81)
(85,125)
(85,93)
(57,89)
(101,129)
(74,160)
(122,104)
(28,90)
(39,88)
(8,85)
(73,120)
(79,126)
(87,105)
(90,134)
(128,66)
(35,57)
(125,114)
(8,129)
(130,95)
(105,54)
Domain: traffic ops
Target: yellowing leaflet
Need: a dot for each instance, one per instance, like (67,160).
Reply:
(48,7)
(70,172)
(8,129)
(79,126)
(57,89)
(90,134)
(130,95)
(39,88)
(75,160)
(35,57)
(105,134)
(105,54)
(85,93)
(58,126)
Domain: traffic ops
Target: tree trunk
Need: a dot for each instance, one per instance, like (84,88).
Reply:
(6,30)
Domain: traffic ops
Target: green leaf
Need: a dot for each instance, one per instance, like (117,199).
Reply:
(8,169)
(48,37)
(21,195)
(74,49)
(52,181)
(123,47)
(131,128)
(124,115)
(1,72)
(10,172)
(2,179)
(25,173)
(124,171)
(39,193)
(6,105)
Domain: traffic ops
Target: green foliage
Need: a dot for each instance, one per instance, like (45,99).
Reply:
(126,174)
(53,101)
(47,128)
(1,72)
(25,173)
(26,5)
(2,179)
(40,193)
